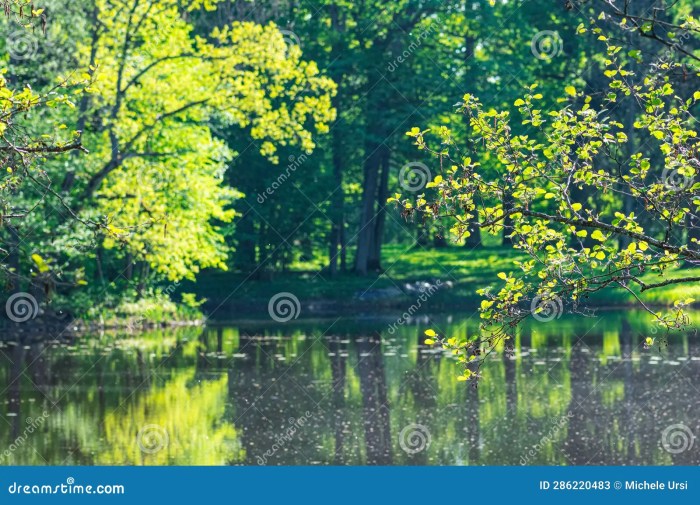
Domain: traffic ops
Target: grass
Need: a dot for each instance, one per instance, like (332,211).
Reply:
(665,296)
(147,312)
(462,270)
(466,270)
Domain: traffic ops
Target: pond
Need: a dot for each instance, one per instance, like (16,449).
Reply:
(353,391)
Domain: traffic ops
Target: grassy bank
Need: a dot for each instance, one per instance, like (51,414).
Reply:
(461,272)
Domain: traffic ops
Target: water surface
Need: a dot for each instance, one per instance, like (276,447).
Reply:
(345,391)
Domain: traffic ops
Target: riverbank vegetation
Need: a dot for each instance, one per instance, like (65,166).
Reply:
(163,160)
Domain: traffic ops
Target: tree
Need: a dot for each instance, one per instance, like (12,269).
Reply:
(567,220)
(26,146)
(152,188)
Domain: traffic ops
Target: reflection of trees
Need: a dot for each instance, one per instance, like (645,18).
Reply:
(422,379)
(268,391)
(246,377)
(686,387)
(370,368)
(511,385)
(103,400)
(473,428)
(189,414)
(583,440)
(105,391)
(14,387)
(628,403)
(609,428)
(338,353)
(422,383)
(209,353)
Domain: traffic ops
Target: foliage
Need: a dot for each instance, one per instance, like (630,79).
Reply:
(146,204)
(567,218)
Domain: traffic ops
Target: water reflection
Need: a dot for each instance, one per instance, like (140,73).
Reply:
(572,391)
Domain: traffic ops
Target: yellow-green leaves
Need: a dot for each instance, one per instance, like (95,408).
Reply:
(435,182)
(598,235)
(167,189)
(40,263)
(556,182)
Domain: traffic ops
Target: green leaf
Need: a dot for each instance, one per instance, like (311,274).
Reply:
(598,235)
(41,265)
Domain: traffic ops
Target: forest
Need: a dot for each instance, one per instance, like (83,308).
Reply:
(350,191)
(152,142)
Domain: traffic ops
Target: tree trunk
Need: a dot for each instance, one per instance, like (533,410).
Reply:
(423,235)
(374,261)
(473,241)
(99,261)
(366,234)
(337,212)
(343,249)
(129,270)
(245,251)
(439,241)
(144,270)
